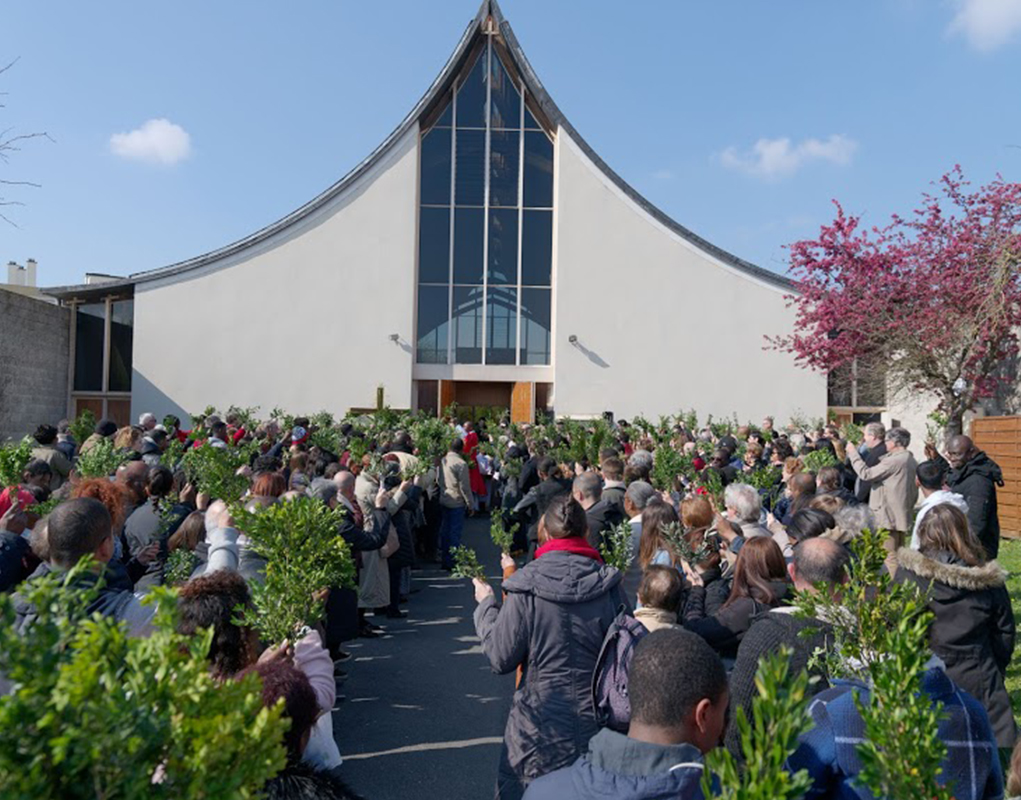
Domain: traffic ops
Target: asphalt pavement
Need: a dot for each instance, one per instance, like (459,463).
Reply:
(424,713)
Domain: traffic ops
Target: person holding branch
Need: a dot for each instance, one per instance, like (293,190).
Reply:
(553,621)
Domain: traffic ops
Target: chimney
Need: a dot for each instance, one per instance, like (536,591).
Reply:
(30,270)
(15,276)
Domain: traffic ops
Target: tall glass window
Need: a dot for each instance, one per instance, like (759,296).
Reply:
(122,328)
(90,340)
(486,224)
(94,348)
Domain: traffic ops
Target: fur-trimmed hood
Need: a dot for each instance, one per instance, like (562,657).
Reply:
(958,576)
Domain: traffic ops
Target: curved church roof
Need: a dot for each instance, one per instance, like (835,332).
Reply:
(490,9)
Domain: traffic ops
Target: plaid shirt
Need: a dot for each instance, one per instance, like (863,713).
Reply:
(828,751)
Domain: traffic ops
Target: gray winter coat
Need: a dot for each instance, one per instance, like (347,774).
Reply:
(553,621)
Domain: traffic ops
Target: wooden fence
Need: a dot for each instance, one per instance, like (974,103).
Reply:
(1000,438)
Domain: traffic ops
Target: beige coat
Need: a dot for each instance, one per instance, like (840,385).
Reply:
(894,492)
(374,578)
(656,619)
(455,485)
(59,465)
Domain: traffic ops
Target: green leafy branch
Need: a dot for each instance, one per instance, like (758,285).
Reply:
(466,563)
(101,460)
(82,426)
(616,548)
(305,554)
(14,457)
(213,470)
(673,533)
(64,733)
(818,459)
(779,717)
(880,640)
(502,536)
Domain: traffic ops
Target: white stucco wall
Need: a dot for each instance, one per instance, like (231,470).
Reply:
(301,321)
(661,326)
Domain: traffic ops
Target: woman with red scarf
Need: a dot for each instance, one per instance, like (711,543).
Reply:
(553,620)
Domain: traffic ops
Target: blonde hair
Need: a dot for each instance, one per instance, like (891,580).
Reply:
(127,438)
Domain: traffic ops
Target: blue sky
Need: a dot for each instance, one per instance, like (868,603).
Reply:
(742,120)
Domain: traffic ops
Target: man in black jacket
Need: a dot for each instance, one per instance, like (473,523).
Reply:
(975,476)
(601,515)
(816,561)
(344,620)
(77,529)
(551,484)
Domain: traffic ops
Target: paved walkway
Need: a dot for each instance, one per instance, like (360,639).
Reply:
(424,713)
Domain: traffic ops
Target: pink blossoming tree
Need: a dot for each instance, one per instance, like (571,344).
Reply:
(934,299)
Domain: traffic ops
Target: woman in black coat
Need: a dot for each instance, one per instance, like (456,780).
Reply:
(552,623)
(759,584)
(973,630)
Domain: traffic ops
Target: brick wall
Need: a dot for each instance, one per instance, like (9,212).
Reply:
(34,353)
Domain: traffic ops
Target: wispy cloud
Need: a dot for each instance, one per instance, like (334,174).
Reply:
(777,158)
(157,141)
(986,24)
(663,175)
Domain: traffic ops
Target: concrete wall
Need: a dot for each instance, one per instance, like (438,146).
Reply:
(301,321)
(661,325)
(34,352)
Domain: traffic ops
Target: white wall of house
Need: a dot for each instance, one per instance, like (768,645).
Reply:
(660,325)
(302,320)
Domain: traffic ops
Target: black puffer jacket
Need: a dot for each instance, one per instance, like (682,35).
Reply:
(553,621)
(973,631)
(725,628)
(976,481)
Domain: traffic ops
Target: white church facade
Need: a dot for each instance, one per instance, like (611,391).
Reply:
(482,254)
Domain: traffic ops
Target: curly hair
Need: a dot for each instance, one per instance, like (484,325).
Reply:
(284,681)
(211,601)
(112,495)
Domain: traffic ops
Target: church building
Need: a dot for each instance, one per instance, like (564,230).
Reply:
(482,254)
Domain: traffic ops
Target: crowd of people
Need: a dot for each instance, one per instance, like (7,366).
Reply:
(707,591)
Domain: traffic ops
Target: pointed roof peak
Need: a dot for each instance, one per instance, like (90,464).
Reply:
(489,20)
(490,8)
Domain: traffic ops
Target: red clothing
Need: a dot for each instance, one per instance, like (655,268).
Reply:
(238,435)
(182,436)
(572,544)
(471,450)
(25,497)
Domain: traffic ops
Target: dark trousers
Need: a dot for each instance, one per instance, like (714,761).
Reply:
(451,525)
(395,584)
(341,618)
